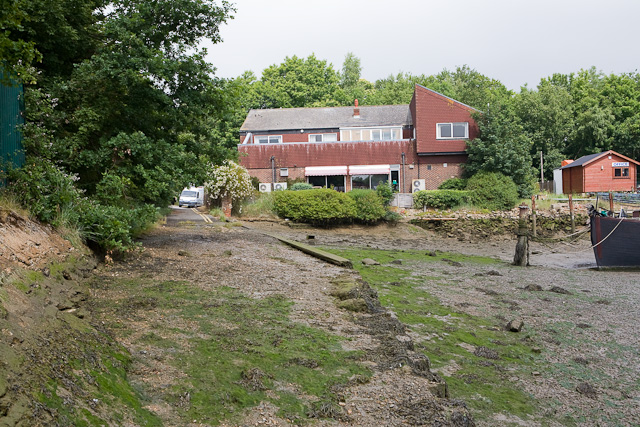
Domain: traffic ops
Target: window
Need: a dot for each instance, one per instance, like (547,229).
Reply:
(267,139)
(621,172)
(331,181)
(323,137)
(367,182)
(371,134)
(452,130)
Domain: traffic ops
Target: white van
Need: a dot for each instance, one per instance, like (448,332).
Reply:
(191,197)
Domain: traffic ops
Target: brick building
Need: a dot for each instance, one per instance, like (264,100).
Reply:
(606,171)
(414,146)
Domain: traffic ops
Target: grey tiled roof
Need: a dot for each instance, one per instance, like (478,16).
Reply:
(584,159)
(325,118)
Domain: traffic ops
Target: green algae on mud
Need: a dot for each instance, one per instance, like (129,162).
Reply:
(230,352)
(447,336)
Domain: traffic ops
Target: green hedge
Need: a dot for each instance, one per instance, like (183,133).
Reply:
(493,191)
(319,207)
(439,199)
(369,206)
(298,186)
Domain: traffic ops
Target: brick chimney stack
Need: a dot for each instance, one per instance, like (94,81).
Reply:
(356,110)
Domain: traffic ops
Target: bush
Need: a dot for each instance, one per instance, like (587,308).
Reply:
(453,184)
(493,191)
(301,186)
(439,199)
(385,191)
(318,207)
(369,206)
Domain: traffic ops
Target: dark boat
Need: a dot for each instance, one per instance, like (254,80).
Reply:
(615,241)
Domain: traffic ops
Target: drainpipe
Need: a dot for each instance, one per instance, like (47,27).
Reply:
(273,169)
(403,171)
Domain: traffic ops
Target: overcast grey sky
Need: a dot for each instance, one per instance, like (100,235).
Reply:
(514,41)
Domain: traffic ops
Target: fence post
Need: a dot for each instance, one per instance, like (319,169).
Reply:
(533,215)
(573,223)
(521,256)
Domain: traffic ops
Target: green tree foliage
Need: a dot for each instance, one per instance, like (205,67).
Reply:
(502,147)
(492,190)
(439,199)
(299,82)
(124,101)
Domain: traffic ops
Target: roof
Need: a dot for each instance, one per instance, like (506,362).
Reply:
(584,160)
(326,118)
(468,107)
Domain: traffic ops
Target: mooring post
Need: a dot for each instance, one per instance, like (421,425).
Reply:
(573,223)
(533,215)
(611,202)
(521,257)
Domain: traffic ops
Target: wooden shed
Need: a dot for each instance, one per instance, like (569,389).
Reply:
(606,171)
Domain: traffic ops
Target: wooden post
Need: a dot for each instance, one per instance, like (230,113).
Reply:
(573,223)
(611,202)
(521,257)
(533,215)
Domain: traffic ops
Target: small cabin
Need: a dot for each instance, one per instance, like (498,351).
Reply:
(606,171)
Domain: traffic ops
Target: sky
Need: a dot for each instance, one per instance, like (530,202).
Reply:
(515,41)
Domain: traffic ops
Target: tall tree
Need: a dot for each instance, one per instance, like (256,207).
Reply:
(502,146)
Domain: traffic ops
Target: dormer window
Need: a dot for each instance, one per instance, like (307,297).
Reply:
(452,130)
(268,139)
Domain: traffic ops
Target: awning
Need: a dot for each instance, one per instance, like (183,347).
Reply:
(325,170)
(369,170)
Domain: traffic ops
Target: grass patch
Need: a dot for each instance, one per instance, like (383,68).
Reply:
(449,337)
(236,351)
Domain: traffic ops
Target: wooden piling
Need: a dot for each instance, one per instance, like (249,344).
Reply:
(533,216)
(573,223)
(521,256)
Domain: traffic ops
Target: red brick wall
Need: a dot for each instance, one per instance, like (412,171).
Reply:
(433,169)
(429,108)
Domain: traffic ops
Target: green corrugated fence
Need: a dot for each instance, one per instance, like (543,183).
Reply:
(11,117)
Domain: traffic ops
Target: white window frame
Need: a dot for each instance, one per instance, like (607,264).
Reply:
(466,130)
(323,135)
(380,129)
(277,138)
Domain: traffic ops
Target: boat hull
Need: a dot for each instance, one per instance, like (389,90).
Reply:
(615,241)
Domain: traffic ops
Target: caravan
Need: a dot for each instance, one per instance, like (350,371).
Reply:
(191,197)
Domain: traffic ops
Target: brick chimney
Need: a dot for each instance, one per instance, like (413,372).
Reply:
(356,110)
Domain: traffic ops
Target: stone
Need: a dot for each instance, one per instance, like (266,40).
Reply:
(559,290)
(369,261)
(515,325)
(396,261)
(533,288)
(587,390)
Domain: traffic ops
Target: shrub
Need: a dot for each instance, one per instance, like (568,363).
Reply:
(493,191)
(301,186)
(453,184)
(385,191)
(318,207)
(439,199)
(230,180)
(369,206)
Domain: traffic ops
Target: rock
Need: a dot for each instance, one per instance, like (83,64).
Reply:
(431,253)
(451,262)
(515,325)
(533,288)
(66,275)
(486,352)
(396,261)
(369,261)
(559,290)
(183,253)
(587,390)
(46,271)
(536,252)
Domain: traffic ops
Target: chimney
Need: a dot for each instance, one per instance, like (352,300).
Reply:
(356,110)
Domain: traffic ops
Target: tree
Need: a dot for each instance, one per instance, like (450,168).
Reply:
(228,182)
(547,119)
(299,82)
(503,147)
(351,70)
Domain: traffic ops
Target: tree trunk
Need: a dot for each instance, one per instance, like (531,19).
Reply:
(226,206)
